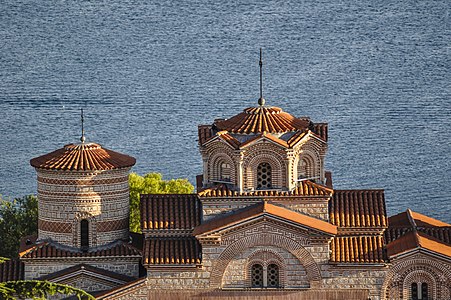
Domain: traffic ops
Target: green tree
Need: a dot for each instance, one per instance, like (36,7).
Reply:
(152,183)
(18,218)
(37,289)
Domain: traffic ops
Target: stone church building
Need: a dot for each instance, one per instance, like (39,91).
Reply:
(265,221)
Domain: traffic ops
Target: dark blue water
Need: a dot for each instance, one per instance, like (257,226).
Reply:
(148,74)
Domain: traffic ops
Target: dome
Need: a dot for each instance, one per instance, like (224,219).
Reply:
(83,157)
(262,119)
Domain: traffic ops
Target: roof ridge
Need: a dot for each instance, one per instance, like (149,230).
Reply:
(411,220)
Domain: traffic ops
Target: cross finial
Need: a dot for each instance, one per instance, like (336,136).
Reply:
(261,100)
(82,139)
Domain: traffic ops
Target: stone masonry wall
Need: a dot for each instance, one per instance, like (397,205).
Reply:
(38,268)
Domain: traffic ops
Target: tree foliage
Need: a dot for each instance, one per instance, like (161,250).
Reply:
(18,218)
(37,289)
(152,183)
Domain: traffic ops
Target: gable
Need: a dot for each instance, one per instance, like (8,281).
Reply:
(88,278)
(264,210)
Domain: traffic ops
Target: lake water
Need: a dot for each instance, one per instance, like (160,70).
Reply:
(148,73)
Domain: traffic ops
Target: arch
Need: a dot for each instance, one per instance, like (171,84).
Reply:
(278,169)
(419,277)
(266,257)
(264,239)
(92,228)
(264,176)
(396,276)
(309,164)
(214,164)
(84,234)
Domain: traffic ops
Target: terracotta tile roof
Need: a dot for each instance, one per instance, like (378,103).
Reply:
(358,208)
(357,249)
(88,268)
(408,221)
(414,240)
(11,270)
(172,251)
(262,119)
(204,133)
(51,250)
(170,211)
(410,218)
(321,130)
(83,157)
(229,139)
(296,138)
(305,188)
(262,208)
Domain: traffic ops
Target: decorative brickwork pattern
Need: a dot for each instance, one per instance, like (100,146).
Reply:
(304,257)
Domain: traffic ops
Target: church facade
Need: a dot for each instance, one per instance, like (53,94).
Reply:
(265,221)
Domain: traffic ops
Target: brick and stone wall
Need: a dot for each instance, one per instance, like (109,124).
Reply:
(35,268)
(67,197)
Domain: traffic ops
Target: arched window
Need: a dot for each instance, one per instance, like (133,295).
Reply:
(264,176)
(302,169)
(225,171)
(273,276)
(414,291)
(424,291)
(257,276)
(84,234)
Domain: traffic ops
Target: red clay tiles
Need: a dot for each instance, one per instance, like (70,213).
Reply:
(260,209)
(49,250)
(83,157)
(358,208)
(414,240)
(11,270)
(262,119)
(357,249)
(171,251)
(305,188)
(170,211)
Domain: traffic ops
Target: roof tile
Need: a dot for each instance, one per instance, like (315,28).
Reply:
(262,119)
(11,270)
(357,249)
(358,208)
(172,251)
(170,211)
(305,188)
(83,157)
(261,208)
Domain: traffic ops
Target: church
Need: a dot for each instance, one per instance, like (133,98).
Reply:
(265,222)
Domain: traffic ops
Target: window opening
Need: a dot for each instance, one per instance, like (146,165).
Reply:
(225,171)
(414,291)
(424,291)
(264,176)
(257,276)
(84,238)
(273,275)
(302,169)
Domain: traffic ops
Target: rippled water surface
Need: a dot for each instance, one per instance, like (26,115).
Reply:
(148,73)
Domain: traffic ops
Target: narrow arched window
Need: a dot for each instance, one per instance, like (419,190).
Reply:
(273,276)
(257,276)
(84,234)
(414,291)
(225,171)
(302,169)
(264,176)
(424,291)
